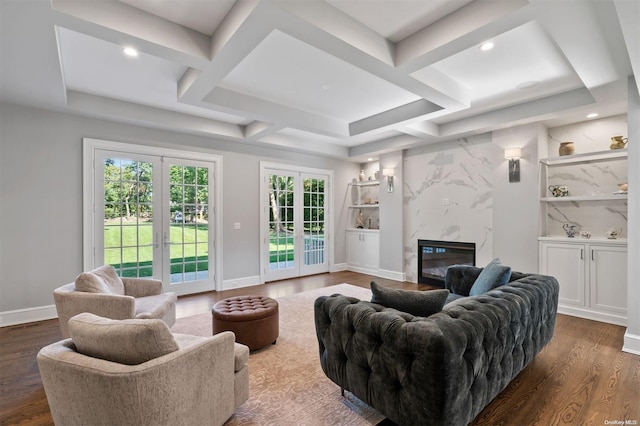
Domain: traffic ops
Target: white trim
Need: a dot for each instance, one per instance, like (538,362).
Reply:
(366,271)
(91,145)
(241,282)
(392,275)
(631,343)
(592,315)
(337,267)
(264,216)
(26,315)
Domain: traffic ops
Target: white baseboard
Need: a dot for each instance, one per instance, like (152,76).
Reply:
(631,343)
(592,315)
(392,275)
(337,267)
(23,316)
(241,282)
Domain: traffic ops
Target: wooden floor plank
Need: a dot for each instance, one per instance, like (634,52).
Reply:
(580,378)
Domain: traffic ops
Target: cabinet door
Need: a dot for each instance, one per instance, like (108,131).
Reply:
(370,253)
(608,273)
(354,251)
(566,263)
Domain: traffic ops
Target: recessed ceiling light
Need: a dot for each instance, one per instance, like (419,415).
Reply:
(527,85)
(486,46)
(592,115)
(369,159)
(130,51)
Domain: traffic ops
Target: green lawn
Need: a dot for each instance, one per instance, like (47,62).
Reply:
(138,241)
(137,248)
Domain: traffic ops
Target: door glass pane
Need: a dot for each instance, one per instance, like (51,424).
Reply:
(313,190)
(189,226)
(281,222)
(128,216)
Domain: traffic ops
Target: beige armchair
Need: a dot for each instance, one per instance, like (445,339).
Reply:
(135,372)
(104,293)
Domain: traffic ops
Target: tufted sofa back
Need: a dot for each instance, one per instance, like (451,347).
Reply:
(440,370)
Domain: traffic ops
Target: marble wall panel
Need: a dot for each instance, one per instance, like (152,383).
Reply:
(461,173)
(588,136)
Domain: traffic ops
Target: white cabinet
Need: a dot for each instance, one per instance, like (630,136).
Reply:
(363,251)
(592,277)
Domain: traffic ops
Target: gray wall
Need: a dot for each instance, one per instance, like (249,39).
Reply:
(392,218)
(515,204)
(41,197)
(632,337)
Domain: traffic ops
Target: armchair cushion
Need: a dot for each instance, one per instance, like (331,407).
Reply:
(101,280)
(240,356)
(418,303)
(130,342)
(154,306)
(493,275)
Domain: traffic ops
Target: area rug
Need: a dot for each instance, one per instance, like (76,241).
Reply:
(286,383)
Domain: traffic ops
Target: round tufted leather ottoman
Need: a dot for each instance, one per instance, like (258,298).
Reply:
(253,319)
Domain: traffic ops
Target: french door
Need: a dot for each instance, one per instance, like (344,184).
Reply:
(154,216)
(294,223)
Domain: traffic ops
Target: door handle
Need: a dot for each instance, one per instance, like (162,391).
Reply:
(166,239)
(592,254)
(581,254)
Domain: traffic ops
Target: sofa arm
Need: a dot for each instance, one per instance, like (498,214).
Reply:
(142,287)
(460,278)
(72,303)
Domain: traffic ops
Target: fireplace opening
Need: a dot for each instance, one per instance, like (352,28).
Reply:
(434,257)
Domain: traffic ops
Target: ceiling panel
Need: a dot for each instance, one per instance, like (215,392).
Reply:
(287,71)
(99,67)
(520,56)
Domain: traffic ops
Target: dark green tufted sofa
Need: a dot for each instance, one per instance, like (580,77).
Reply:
(443,369)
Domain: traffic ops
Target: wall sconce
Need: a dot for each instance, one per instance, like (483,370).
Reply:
(513,155)
(388,173)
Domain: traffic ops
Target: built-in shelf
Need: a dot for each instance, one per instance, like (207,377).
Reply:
(589,157)
(580,240)
(585,198)
(364,206)
(365,183)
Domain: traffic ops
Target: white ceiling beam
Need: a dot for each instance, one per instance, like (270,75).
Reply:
(522,113)
(422,129)
(629,17)
(244,27)
(468,26)
(122,24)
(526,112)
(382,146)
(231,102)
(582,45)
(291,143)
(145,115)
(258,129)
(324,16)
(393,117)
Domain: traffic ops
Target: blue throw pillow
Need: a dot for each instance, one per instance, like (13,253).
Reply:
(414,302)
(493,275)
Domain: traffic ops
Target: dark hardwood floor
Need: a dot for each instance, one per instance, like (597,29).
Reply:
(580,378)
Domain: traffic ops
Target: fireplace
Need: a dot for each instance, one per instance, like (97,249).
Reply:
(434,257)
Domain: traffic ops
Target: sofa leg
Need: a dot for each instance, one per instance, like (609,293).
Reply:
(342,392)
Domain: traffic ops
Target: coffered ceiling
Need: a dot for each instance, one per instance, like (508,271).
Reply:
(343,78)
